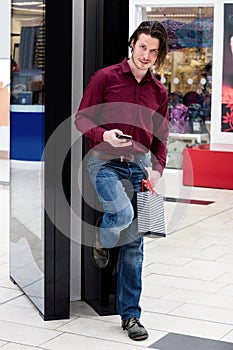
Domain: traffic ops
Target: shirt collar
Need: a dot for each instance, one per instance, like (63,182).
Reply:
(125,66)
(126,69)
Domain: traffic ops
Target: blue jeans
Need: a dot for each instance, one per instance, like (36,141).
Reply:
(116,184)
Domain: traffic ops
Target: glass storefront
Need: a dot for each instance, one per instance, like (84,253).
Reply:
(26,148)
(187,73)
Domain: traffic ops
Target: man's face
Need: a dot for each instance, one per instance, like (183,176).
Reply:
(145,51)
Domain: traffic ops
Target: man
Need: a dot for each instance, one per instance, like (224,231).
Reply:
(126,99)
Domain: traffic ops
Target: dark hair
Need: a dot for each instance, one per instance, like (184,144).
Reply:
(156,30)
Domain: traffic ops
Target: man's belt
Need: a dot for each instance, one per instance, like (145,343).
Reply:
(123,158)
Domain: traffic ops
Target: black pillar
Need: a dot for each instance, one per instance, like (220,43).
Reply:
(105,43)
(58,77)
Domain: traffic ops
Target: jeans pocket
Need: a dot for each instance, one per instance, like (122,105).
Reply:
(95,163)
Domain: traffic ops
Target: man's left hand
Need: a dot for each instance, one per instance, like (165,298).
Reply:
(153,176)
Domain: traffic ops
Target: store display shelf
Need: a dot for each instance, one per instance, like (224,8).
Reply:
(198,137)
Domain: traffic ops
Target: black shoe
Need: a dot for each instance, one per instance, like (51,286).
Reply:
(99,253)
(136,331)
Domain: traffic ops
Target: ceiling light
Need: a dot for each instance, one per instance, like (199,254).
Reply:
(27,3)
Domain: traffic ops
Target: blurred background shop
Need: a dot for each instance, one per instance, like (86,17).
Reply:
(50,53)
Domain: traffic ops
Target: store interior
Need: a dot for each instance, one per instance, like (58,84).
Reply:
(187,75)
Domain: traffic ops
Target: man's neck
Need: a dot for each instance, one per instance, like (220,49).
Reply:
(138,73)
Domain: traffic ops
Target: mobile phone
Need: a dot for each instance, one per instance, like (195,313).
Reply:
(124,136)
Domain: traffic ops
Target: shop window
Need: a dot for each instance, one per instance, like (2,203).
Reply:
(187,73)
(27,53)
(26,149)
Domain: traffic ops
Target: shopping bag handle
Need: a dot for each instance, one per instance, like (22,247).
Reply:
(148,183)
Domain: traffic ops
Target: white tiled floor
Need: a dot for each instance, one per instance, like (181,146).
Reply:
(187,281)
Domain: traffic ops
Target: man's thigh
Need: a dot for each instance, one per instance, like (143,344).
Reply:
(107,181)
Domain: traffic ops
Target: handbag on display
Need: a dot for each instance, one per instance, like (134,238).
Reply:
(150,211)
(179,119)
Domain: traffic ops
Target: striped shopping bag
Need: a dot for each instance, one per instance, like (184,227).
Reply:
(150,211)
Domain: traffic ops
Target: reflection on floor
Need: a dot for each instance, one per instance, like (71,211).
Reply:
(188,200)
(187,296)
(173,341)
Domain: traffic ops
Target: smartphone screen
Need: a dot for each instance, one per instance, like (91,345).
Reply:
(124,136)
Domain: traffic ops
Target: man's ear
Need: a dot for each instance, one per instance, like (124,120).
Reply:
(132,45)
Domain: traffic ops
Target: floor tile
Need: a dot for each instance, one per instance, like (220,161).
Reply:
(228,337)
(188,326)
(154,290)
(182,283)
(22,301)
(101,329)
(158,305)
(6,282)
(4,259)
(200,298)
(183,271)
(14,346)
(226,258)
(226,277)
(74,342)
(217,252)
(209,266)
(203,312)
(27,335)
(187,238)
(181,251)
(7,294)
(228,290)
(27,316)
(2,343)
(150,256)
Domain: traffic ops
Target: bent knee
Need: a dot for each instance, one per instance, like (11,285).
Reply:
(125,216)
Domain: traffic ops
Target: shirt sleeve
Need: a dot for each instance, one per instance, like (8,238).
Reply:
(160,136)
(87,116)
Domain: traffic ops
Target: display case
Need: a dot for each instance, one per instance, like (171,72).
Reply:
(188,69)
(186,74)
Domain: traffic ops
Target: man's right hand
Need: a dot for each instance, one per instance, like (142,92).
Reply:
(110,136)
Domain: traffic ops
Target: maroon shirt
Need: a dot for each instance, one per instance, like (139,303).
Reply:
(114,99)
